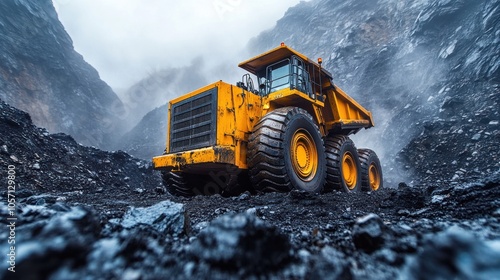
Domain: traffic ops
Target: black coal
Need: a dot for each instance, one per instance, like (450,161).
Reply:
(120,223)
(427,69)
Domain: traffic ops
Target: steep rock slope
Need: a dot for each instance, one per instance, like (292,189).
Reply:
(42,74)
(414,65)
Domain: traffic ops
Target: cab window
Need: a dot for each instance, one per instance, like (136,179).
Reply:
(288,73)
(300,76)
(278,76)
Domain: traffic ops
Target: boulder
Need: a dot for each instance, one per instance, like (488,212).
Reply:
(454,254)
(166,217)
(242,242)
(369,233)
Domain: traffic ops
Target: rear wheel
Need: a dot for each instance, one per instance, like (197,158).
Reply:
(343,166)
(371,170)
(285,151)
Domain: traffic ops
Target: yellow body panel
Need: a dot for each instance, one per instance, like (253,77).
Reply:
(207,156)
(343,111)
(340,109)
(239,110)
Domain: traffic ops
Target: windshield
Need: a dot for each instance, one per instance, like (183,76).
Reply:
(278,76)
(288,73)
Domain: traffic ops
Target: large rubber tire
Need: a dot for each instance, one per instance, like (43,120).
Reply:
(342,164)
(176,184)
(285,151)
(371,170)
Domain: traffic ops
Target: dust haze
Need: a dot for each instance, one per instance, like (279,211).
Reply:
(126,40)
(411,82)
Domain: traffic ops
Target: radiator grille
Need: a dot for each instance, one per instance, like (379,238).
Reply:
(192,122)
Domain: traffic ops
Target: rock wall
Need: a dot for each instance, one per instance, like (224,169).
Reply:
(42,74)
(415,65)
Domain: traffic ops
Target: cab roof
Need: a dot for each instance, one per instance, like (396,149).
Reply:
(258,63)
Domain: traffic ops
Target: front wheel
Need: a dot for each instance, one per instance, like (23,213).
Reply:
(285,151)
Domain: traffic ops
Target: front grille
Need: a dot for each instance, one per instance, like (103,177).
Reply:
(193,122)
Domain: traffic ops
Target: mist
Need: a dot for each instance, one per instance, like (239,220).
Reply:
(127,40)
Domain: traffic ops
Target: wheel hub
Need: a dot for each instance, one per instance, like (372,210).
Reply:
(374,177)
(304,155)
(349,170)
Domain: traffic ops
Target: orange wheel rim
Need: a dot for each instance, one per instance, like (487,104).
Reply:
(349,171)
(304,155)
(374,177)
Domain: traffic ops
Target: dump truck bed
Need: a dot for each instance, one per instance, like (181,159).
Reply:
(343,113)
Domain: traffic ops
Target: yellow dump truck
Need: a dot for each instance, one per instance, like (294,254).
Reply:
(289,130)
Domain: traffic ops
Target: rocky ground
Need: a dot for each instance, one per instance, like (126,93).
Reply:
(428,70)
(83,213)
(460,144)
(55,164)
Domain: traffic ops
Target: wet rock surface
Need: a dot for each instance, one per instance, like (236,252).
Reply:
(243,243)
(369,233)
(165,217)
(454,254)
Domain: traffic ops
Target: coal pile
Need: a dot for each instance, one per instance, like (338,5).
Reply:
(380,235)
(460,147)
(56,166)
(83,213)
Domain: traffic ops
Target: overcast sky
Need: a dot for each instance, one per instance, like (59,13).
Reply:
(126,39)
